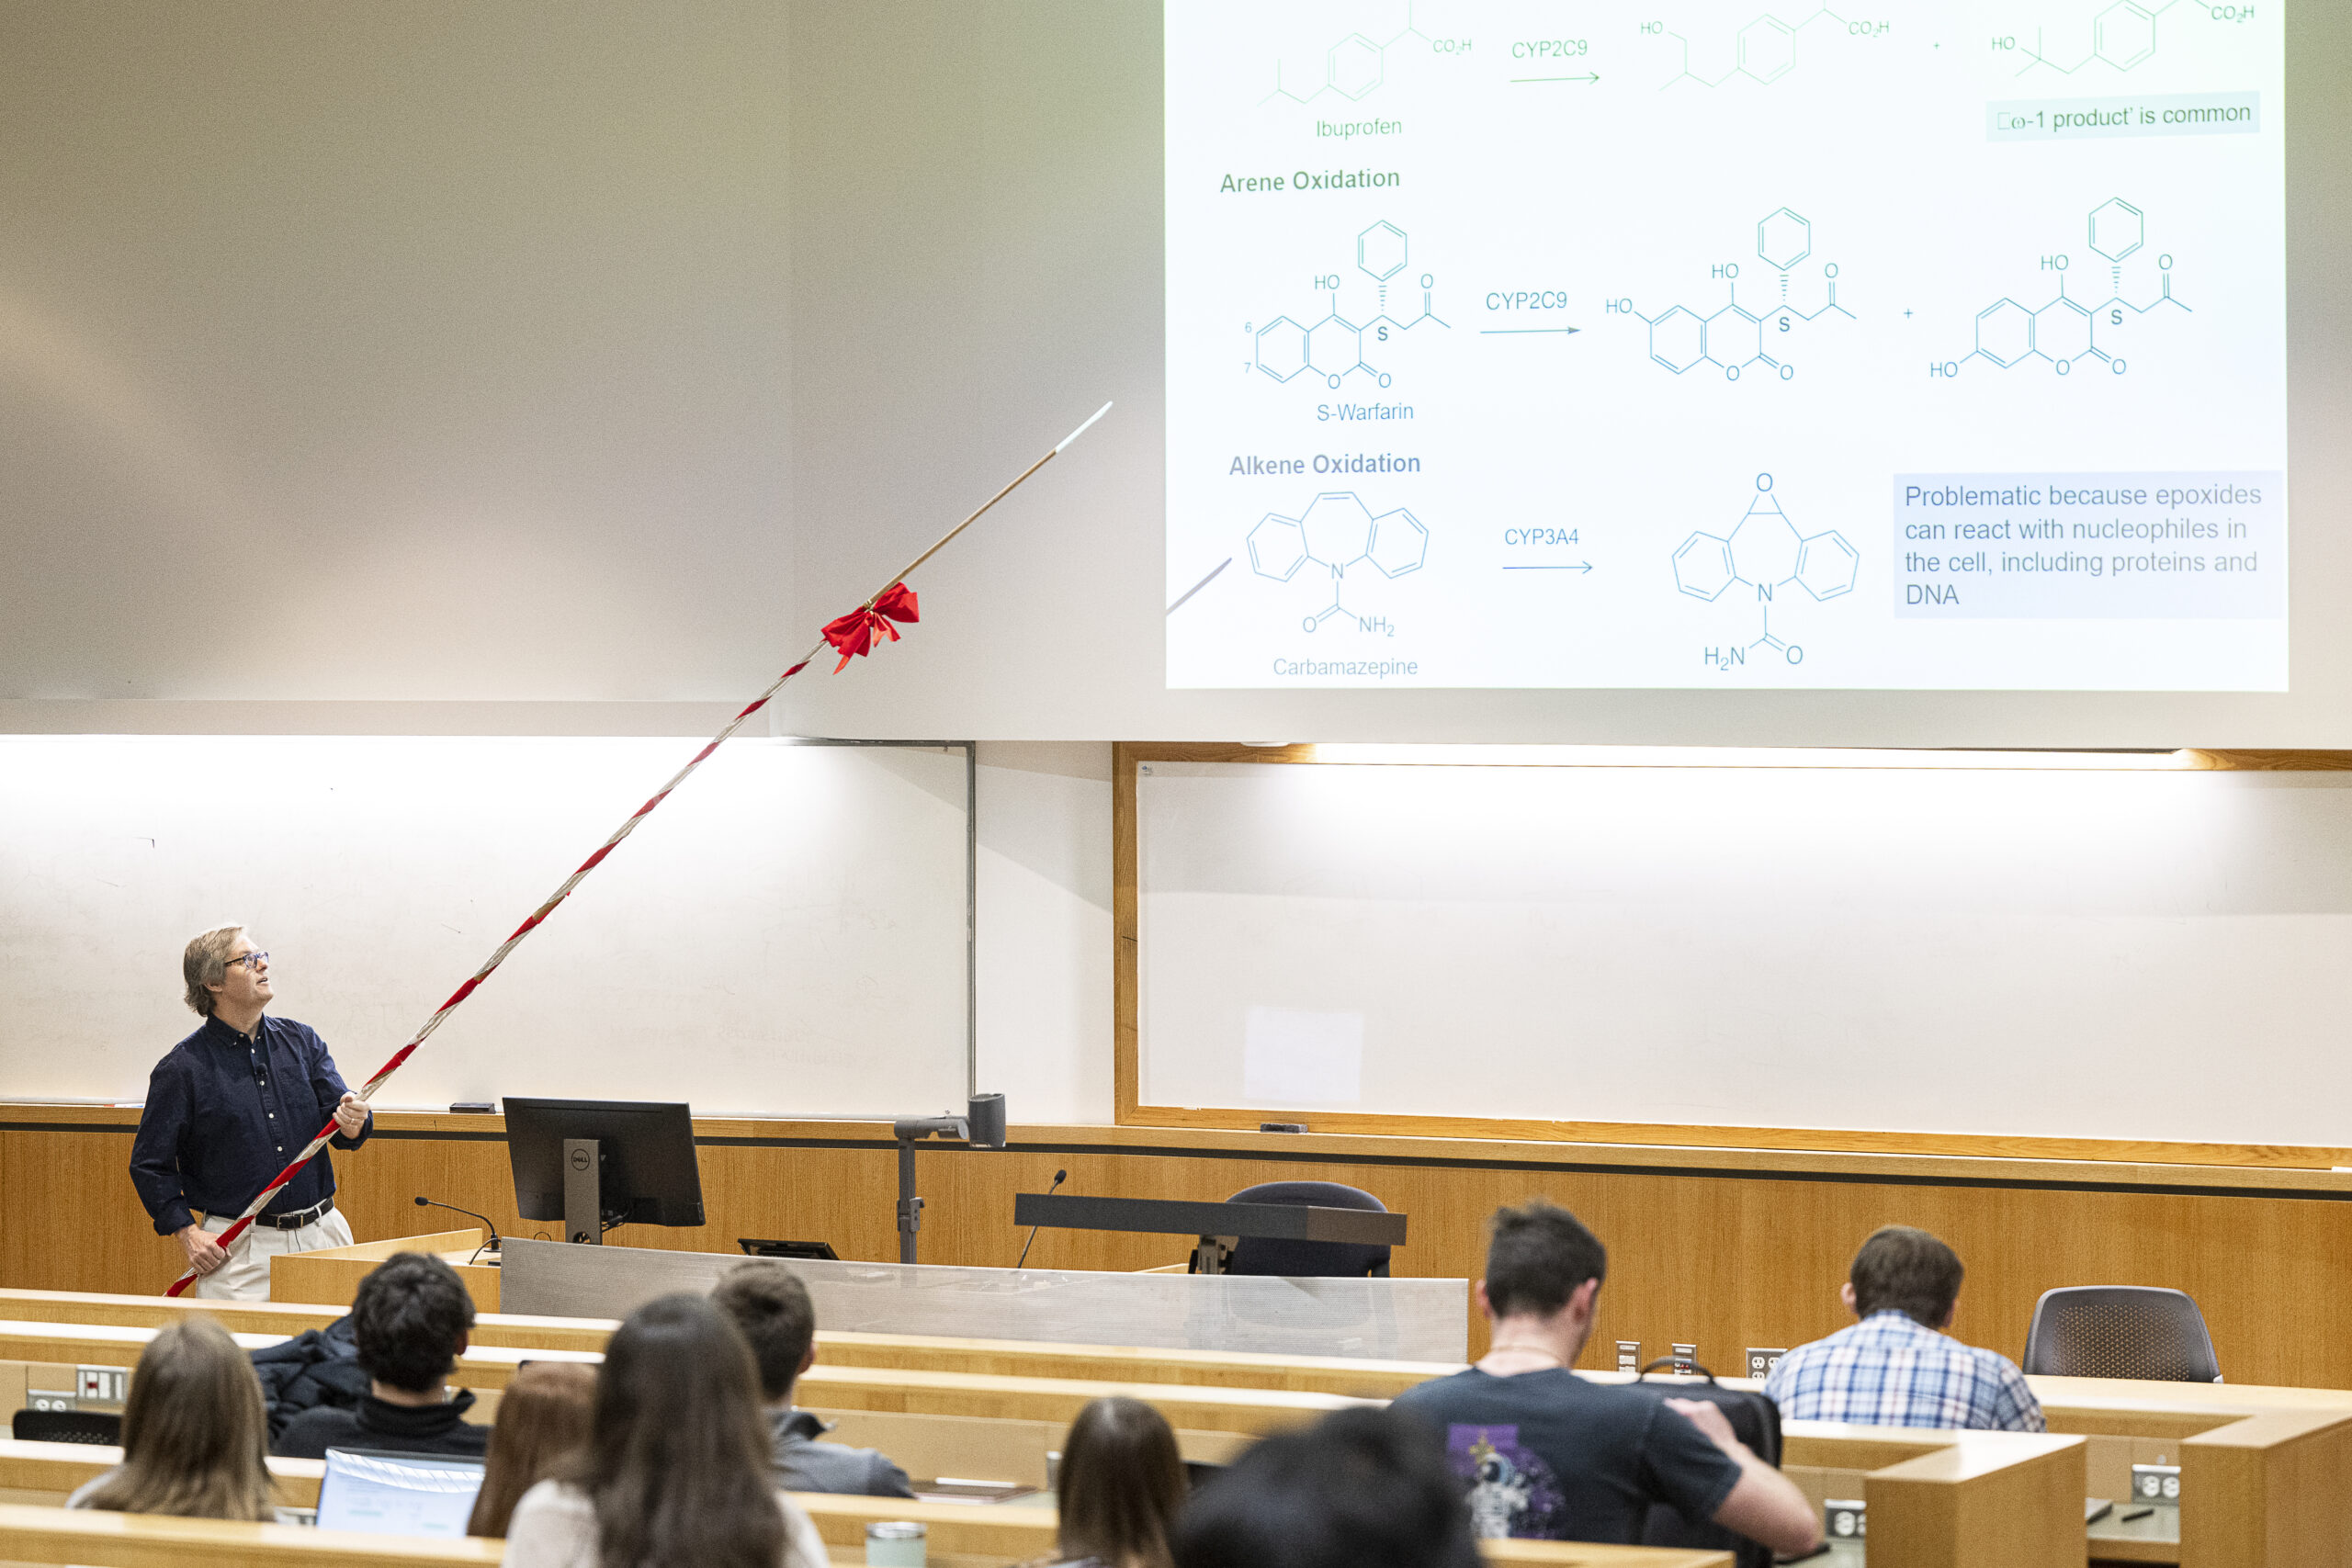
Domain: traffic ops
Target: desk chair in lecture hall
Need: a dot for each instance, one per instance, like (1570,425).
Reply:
(1308,1259)
(66,1426)
(2119,1331)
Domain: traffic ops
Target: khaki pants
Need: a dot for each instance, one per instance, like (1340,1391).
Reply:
(245,1277)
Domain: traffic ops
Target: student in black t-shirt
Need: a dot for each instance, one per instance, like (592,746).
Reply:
(1546,1454)
(412,1318)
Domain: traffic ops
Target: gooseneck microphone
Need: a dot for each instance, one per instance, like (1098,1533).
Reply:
(491,1243)
(1059,1177)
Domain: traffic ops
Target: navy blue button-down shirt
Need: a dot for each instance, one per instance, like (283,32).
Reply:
(225,1113)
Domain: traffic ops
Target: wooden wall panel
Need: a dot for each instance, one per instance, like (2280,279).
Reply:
(1726,1255)
(69,1215)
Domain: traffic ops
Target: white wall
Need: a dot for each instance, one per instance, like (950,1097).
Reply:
(1045,929)
(423,353)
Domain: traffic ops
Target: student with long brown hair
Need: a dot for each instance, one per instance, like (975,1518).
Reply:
(1121,1485)
(676,1469)
(195,1435)
(542,1421)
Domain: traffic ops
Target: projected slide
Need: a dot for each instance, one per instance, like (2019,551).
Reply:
(1703,344)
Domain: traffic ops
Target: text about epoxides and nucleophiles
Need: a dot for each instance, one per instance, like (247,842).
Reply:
(2076,547)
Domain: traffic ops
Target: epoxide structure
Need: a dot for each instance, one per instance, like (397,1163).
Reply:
(1333,349)
(1337,532)
(2066,332)
(1764,553)
(1734,337)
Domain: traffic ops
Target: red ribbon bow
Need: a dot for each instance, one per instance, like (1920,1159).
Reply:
(853,634)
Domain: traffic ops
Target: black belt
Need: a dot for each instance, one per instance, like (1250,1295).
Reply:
(297,1219)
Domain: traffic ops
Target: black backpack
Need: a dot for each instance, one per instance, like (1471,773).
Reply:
(1756,1421)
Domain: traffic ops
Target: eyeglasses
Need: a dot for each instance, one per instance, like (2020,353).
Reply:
(252,961)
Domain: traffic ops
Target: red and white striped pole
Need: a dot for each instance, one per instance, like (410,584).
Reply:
(851,635)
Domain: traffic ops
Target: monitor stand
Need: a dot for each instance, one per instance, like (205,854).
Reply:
(583,1218)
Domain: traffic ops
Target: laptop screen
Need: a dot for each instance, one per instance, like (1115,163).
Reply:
(398,1493)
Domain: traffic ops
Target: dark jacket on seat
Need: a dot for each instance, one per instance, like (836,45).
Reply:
(317,1367)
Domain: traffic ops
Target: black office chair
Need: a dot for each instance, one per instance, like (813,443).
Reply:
(2119,1331)
(66,1426)
(1308,1259)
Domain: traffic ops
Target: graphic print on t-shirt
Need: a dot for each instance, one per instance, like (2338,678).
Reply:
(1512,1491)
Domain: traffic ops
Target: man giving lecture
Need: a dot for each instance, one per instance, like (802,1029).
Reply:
(226,1109)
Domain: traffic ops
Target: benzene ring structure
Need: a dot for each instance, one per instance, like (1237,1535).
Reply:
(2122,36)
(2083,324)
(1766,553)
(1337,532)
(1745,330)
(1333,346)
(1351,67)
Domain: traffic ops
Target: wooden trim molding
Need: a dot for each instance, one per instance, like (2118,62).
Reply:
(1126,1026)
(1125,998)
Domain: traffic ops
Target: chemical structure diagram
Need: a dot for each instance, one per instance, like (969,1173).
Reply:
(1766,49)
(2121,36)
(1765,553)
(2066,332)
(1734,337)
(1356,64)
(1333,347)
(1337,532)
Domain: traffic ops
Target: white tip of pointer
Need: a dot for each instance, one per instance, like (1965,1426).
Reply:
(1081,429)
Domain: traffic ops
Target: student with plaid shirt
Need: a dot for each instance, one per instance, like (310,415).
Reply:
(1895,1367)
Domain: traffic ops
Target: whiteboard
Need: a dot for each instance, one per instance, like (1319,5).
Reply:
(787,934)
(2081,954)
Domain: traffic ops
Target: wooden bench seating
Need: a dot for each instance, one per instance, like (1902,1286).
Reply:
(1008,1357)
(962,1535)
(823,1387)
(2250,1456)
(2261,1492)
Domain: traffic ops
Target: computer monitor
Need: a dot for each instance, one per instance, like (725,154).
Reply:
(379,1493)
(809,1251)
(644,1155)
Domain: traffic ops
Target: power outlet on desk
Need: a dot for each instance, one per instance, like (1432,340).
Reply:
(2156,1483)
(101,1385)
(38,1399)
(1760,1362)
(1685,1360)
(1629,1355)
(1845,1518)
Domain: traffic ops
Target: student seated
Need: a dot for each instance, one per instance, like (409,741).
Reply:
(542,1422)
(677,1466)
(193,1433)
(1121,1485)
(1359,1489)
(1894,1368)
(411,1320)
(1546,1454)
(770,1307)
